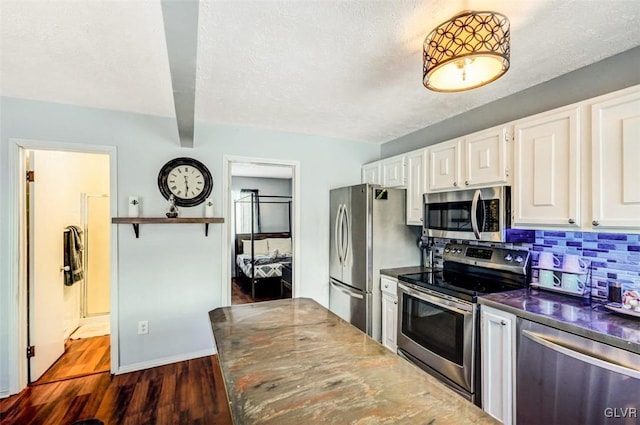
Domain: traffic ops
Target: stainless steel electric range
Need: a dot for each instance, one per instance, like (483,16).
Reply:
(438,321)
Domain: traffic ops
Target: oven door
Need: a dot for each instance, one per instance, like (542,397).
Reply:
(438,332)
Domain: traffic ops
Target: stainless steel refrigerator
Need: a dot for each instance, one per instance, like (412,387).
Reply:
(368,233)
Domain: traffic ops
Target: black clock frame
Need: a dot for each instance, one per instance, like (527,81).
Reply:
(163,184)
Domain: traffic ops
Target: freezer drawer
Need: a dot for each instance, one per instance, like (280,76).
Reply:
(350,305)
(566,379)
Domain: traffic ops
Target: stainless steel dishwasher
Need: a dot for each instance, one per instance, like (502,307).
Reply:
(562,378)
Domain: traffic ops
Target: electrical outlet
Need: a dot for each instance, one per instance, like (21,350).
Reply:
(143,327)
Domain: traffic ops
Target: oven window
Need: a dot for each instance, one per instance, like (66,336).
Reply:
(435,328)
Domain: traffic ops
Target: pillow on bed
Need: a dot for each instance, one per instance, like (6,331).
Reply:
(261,247)
(282,245)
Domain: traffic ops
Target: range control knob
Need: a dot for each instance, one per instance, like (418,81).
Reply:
(508,257)
(446,250)
(458,251)
(519,259)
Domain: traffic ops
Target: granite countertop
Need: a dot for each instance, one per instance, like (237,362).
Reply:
(579,316)
(292,362)
(394,273)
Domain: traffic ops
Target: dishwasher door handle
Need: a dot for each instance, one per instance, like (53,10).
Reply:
(595,361)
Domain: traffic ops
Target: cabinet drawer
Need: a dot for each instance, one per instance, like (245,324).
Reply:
(389,285)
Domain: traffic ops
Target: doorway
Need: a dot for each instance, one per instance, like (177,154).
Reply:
(261,233)
(67,264)
(50,305)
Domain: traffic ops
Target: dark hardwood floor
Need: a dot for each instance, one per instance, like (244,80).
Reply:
(81,357)
(189,392)
(241,294)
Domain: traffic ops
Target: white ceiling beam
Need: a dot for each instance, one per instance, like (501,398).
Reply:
(181,32)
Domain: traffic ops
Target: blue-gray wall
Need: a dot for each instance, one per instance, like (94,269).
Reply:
(611,74)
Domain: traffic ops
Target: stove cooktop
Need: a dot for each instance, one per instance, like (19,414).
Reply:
(460,285)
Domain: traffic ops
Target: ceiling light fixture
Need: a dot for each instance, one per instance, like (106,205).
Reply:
(467,51)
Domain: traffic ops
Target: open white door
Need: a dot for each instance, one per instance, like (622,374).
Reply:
(46,279)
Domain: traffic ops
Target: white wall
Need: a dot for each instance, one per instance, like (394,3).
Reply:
(171,275)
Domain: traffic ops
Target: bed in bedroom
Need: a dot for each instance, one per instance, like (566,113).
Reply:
(260,257)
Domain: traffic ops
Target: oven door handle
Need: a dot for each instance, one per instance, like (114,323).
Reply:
(437,301)
(474,213)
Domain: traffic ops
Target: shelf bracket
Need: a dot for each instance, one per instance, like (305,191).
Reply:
(136,229)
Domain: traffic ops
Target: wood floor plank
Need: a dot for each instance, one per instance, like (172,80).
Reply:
(190,392)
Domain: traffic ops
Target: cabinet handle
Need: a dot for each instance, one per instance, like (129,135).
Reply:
(395,302)
(421,219)
(455,184)
(503,322)
(572,221)
(386,286)
(595,223)
(466,182)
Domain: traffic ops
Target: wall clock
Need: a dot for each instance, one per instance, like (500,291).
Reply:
(188,180)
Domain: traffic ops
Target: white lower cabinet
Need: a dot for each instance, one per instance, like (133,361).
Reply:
(389,286)
(497,351)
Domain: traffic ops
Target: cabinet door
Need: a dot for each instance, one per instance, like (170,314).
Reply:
(389,321)
(616,162)
(393,172)
(547,170)
(444,165)
(486,157)
(371,173)
(416,185)
(498,363)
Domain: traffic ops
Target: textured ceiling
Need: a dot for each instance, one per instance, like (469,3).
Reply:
(343,69)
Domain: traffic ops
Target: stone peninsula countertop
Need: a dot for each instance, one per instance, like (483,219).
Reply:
(580,316)
(293,362)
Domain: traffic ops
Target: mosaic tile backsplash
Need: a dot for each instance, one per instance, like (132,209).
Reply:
(613,256)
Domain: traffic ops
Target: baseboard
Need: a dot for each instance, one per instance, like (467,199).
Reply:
(4,393)
(165,361)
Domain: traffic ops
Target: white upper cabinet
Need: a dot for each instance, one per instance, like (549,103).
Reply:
(546,189)
(616,162)
(393,171)
(485,158)
(478,160)
(444,166)
(371,173)
(416,185)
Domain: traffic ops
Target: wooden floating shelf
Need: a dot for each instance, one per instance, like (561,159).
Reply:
(137,221)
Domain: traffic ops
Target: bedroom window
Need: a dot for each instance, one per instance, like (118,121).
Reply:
(245,203)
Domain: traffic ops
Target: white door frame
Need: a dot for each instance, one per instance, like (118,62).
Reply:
(17,315)
(227,207)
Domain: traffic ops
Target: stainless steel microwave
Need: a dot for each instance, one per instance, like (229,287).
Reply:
(476,214)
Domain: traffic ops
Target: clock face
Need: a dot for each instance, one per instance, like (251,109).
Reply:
(187,179)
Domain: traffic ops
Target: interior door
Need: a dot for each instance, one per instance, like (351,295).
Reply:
(46,312)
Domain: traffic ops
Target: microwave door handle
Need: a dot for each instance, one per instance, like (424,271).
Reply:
(474,213)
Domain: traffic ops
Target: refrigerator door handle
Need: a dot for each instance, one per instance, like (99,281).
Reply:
(337,233)
(347,245)
(345,291)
